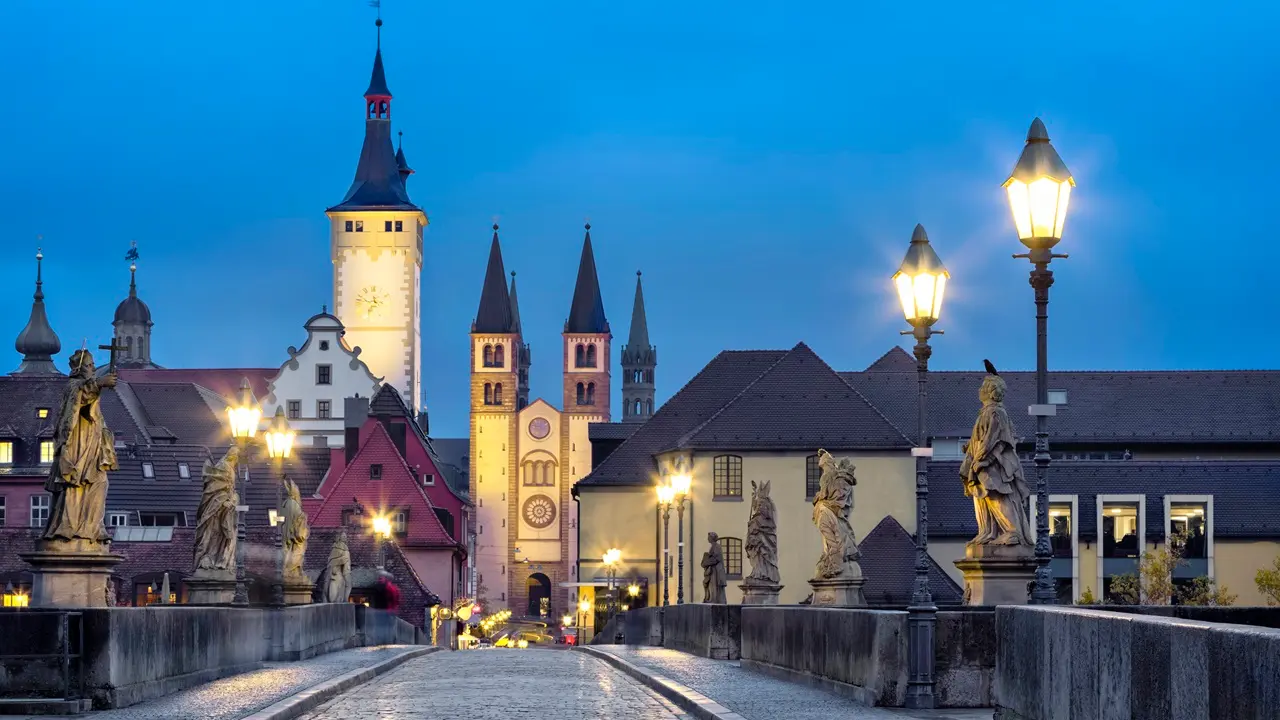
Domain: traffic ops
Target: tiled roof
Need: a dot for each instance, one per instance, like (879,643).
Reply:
(1245,493)
(128,490)
(715,385)
(20,396)
(225,382)
(305,466)
(611,430)
(896,360)
(389,401)
(889,562)
(397,489)
(182,410)
(453,455)
(1172,406)
(800,403)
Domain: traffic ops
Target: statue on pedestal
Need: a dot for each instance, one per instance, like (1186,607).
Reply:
(762,586)
(337,584)
(83,452)
(714,577)
(296,532)
(992,472)
(215,541)
(831,507)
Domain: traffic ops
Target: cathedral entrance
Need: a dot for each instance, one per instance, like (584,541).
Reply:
(539,595)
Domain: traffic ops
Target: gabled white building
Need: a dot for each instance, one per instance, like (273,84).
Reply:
(313,385)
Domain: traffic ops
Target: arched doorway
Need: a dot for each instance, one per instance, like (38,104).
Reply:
(539,595)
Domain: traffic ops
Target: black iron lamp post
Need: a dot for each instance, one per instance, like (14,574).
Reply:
(921,281)
(1039,189)
(243,418)
(666,495)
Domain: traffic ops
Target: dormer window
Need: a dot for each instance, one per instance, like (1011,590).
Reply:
(46,452)
(375,471)
(148,471)
(6,452)
(184,471)
(42,413)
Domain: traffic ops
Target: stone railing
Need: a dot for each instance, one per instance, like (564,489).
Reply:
(135,654)
(1083,663)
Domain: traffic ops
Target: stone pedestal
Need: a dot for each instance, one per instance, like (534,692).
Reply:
(997,574)
(70,574)
(297,591)
(841,592)
(760,594)
(211,589)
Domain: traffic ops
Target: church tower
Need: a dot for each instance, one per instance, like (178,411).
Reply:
(495,347)
(639,359)
(131,327)
(586,344)
(522,356)
(376,246)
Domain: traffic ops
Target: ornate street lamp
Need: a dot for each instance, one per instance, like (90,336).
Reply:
(381,532)
(584,607)
(279,437)
(681,484)
(921,281)
(1039,189)
(666,495)
(611,558)
(243,418)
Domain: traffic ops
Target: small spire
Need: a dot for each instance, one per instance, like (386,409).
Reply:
(133,280)
(37,342)
(400,141)
(324,309)
(515,305)
(586,312)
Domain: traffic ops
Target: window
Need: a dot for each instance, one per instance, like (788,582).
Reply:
(320,441)
(540,473)
(42,412)
(399,226)
(591,393)
(148,471)
(350,227)
(46,452)
(400,524)
(359,226)
(294,409)
(117,519)
(1189,523)
(324,345)
(732,549)
(39,510)
(159,519)
(580,356)
(497,394)
(324,374)
(375,471)
(6,453)
(591,355)
(184,471)
(428,479)
(1057,397)
(500,356)
(488,393)
(446,519)
(1,511)
(386,226)
(582,394)
(488,356)
(1121,527)
(812,476)
(323,409)
(727,476)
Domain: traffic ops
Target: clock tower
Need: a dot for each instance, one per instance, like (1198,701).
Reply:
(376,245)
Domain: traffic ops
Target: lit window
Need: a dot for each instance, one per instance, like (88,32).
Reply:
(18,599)
(359,226)
(1057,397)
(148,471)
(6,453)
(1120,541)
(39,510)
(117,519)
(184,471)
(732,550)
(295,409)
(46,452)
(1189,530)
(42,412)
(727,476)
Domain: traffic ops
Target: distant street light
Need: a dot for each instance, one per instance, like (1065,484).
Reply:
(279,437)
(243,417)
(1039,190)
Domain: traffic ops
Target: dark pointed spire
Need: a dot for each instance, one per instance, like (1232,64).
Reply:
(586,314)
(494,314)
(515,304)
(37,342)
(378,80)
(401,163)
(639,336)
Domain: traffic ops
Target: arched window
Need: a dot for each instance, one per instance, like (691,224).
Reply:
(732,550)
(591,393)
(582,394)
(591,355)
(649,406)
(488,394)
(142,353)
(648,376)
(727,476)
(497,394)
(638,408)
(128,347)
(500,356)
(579,356)
(488,356)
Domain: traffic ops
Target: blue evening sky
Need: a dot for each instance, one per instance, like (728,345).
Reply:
(762,163)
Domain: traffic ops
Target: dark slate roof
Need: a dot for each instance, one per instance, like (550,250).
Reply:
(727,375)
(799,404)
(515,304)
(378,184)
(21,396)
(306,466)
(638,351)
(378,80)
(1245,493)
(611,430)
(896,360)
(494,314)
(454,455)
(182,409)
(1172,406)
(132,310)
(128,490)
(223,382)
(889,562)
(38,343)
(387,401)
(586,314)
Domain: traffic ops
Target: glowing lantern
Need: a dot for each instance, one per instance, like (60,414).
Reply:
(1039,190)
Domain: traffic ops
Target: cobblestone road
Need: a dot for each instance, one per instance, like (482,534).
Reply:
(759,697)
(499,684)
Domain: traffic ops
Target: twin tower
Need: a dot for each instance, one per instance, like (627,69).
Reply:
(525,457)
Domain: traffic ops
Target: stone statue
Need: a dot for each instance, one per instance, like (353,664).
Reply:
(83,452)
(992,472)
(215,541)
(714,577)
(337,586)
(762,537)
(296,532)
(831,507)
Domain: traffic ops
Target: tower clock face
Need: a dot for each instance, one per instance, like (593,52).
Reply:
(372,302)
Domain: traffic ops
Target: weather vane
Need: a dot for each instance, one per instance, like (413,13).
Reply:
(132,255)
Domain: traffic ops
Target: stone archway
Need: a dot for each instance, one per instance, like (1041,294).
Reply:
(539,587)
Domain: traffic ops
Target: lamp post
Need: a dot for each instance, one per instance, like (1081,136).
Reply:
(381,532)
(1039,189)
(681,485)
(921,281)
(611,558)
(584,607)
(666,494)
(243,418)
(279,437)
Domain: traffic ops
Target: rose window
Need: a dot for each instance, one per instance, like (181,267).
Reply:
(539,511)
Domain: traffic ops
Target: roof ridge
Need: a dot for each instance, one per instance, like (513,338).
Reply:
(692,433)
(875,408)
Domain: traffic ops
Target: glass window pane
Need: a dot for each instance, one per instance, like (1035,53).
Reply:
(1189,527)
(1060,522)
(1120,530)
